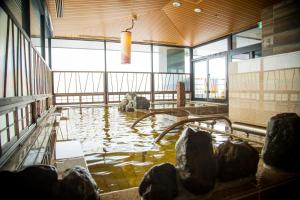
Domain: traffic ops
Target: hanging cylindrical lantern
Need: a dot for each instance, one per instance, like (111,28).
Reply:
(125,47)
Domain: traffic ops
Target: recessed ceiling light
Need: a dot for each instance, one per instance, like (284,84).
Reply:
(176,4)
(197,10)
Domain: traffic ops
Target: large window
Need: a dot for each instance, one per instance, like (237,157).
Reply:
(210,70)
(140,58)
(247,38)
(200,79)
(210,78)
(77,55)
(81,55)
(211,48)
(171,59)
(217,78)
(246,45)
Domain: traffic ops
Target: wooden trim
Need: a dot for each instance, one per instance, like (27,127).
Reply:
(21,65)
(14,59)
(105,79)
(152,86)
(16,123)
(26,67)
(79,103)
(118,41)
(6,104)
(24,134)
(6,58)
(78,94)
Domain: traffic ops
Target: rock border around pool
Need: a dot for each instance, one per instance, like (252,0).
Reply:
(198,168)
(132,102)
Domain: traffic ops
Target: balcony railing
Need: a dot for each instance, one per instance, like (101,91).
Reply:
(90,87)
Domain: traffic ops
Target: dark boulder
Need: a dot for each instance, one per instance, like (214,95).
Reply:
(159,183)
(78,184)
(282,143)
(141,103)
(236,160)
(195,161)
(33,182)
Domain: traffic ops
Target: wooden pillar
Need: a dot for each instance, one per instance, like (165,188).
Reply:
(34,114)
(49,103)
(16,122)
(152,95)
(105,97)
(180,94)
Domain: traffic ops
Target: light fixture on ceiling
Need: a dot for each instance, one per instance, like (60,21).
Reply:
(176,4)
(197,10)
(126,43)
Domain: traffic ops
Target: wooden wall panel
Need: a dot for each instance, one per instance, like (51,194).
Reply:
(281,28)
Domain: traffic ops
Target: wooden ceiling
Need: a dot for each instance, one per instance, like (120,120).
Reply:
(157,21)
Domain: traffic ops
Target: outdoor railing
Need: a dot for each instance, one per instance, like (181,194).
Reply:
(165,85)
(70,87)
(91,87)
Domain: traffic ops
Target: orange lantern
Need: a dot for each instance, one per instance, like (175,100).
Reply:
(126,43)
(126,47)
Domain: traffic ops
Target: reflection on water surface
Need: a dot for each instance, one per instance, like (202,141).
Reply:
(117,155)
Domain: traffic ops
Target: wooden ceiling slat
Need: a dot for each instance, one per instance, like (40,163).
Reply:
(157,20)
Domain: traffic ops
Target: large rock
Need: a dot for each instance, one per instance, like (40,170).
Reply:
(282,143)
(34,182)
(159,183)
(141,103)
(130,96)
(122,105)
(236,160)
(132,102)
(195,161)
(130,106)
(78,184)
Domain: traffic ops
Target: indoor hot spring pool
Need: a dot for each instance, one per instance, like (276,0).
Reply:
(116,154)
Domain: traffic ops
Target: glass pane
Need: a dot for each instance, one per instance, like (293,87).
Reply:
(217,78)
(212,48)
(257,54)
(246,38)
(35,25)
(171,59)
(200,79)
(76,55)
(140,58)
(240,57)
(77,44)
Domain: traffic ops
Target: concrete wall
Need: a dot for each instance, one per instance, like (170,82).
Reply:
(262,87)
(281,28)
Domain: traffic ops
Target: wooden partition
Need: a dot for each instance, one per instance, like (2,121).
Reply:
(25,87)
(263,87)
